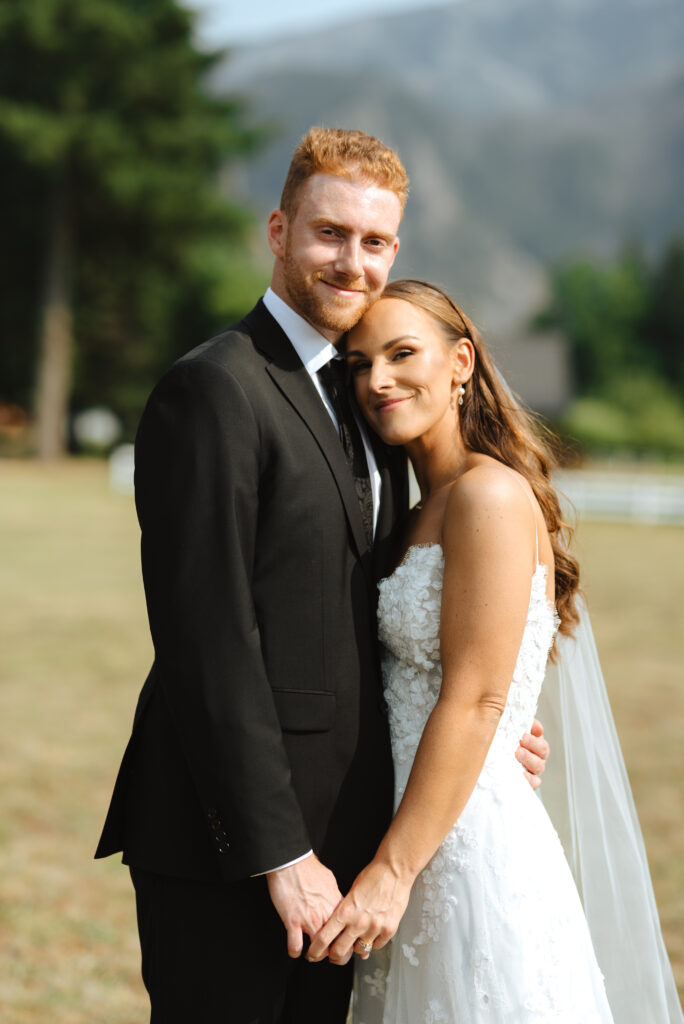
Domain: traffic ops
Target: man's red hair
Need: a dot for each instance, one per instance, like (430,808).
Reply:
(346,154)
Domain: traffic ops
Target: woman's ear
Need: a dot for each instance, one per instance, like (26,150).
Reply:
(462,360)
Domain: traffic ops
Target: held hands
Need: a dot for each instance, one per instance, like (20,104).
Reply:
(371,912)
(305,895)
(533,753)
(308,900)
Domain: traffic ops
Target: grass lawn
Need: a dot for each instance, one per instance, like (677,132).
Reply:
(74,650)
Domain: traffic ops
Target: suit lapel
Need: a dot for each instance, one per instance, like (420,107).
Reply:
(292,379)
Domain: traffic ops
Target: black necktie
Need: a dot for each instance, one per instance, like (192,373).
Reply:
(333,378)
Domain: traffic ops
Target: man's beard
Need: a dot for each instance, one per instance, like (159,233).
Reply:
(333,314)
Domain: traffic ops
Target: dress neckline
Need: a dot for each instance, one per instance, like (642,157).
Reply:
(540,568)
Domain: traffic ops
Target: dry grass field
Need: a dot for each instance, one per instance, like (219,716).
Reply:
(73,652)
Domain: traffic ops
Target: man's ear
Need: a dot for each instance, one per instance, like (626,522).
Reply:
(277,233)
(395,249)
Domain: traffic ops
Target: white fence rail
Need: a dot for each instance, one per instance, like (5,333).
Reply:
(623,497)
(593,494)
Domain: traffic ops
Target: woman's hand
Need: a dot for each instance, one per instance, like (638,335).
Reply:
(371,911)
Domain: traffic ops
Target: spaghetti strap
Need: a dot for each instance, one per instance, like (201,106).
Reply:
(536,538)
(534,511)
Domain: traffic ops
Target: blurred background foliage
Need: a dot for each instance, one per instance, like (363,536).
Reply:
(624,324)
(122,244)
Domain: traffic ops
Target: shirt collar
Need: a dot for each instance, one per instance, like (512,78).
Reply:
(312,348)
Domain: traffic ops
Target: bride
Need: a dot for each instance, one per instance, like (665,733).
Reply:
(471,881)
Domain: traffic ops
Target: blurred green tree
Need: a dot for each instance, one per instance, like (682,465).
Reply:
(111,147)
(624,323)
(664,325)
(601,310)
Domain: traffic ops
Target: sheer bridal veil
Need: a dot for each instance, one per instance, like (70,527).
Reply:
(589,800)
(588,797)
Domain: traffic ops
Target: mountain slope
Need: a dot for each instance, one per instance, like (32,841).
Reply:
(532,130)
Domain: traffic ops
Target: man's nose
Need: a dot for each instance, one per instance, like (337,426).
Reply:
(349,260)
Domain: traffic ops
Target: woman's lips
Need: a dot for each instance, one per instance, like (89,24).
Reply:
(388,403)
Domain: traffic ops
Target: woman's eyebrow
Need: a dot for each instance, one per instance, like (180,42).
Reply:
(388,344)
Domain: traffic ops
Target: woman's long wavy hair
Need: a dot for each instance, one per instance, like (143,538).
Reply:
(493,422)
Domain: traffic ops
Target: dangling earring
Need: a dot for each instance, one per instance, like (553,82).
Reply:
(461,393)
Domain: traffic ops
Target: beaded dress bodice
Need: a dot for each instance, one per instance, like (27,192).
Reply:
(409,629)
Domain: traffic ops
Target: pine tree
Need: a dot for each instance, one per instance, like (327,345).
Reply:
(112,146)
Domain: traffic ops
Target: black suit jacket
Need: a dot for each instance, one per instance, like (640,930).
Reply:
(260,731)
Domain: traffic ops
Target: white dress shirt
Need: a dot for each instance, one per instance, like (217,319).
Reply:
(315,352)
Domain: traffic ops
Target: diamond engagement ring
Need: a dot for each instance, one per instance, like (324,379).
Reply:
(365,946)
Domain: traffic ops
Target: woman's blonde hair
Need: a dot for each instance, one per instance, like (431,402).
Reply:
(493,422)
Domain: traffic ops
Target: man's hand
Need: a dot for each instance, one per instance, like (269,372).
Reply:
(305,895)
(371,911)
(533,753)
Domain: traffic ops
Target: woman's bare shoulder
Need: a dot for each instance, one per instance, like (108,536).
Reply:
(488,509)
(487,483)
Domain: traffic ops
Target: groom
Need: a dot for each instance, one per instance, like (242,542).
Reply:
(258,778)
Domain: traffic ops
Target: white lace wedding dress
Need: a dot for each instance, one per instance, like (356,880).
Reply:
(494,932)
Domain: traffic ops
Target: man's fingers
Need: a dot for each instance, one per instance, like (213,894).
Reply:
(532,753)
(295,941)
(537,728)
(536,744)
(530,762)
(533,763)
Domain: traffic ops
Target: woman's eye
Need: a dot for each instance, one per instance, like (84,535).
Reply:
(402,353)
(358,367)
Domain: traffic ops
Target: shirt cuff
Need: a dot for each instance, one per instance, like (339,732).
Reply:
(281,866)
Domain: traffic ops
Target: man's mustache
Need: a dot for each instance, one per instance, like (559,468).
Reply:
(355,285)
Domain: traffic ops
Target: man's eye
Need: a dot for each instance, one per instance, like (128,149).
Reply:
(376,243)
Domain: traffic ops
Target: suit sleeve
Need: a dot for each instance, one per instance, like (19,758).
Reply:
(197,486)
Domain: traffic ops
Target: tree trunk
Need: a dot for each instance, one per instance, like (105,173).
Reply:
(53,381)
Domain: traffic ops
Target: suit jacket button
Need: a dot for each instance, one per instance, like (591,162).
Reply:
(212,813)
